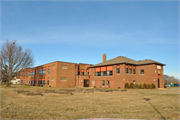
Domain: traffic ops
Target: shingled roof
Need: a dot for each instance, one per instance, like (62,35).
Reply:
(125,60)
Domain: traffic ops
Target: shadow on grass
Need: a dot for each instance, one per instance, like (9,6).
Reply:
(147,99)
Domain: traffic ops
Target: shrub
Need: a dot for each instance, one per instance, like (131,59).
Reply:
(145,86)
(131,85)
(119,87)
(127,85)
(136,86)
(148,86)
(153,86)
(94,86)
(140,86)
(165,86)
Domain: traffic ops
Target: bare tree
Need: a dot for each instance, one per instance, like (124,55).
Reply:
(13,59)
(170,79)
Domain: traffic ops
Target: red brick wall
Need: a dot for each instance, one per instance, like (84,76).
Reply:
(119,80)
(116,80)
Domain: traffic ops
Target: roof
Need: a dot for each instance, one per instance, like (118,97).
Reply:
(125,60)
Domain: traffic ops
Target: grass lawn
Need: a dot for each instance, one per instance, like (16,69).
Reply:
(159,104)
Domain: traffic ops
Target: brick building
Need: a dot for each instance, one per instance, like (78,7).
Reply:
(113,73)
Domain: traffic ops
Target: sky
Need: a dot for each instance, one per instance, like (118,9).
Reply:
(82,31)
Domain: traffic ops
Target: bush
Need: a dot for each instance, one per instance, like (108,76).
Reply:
(140,86)
(94,86)
(131,85)
(145,86)
(136,86)
(119,87)
(148,86)
(153,86)
(127,85)
(165,86)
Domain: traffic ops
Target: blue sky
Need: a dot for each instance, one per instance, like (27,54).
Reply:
(81,31)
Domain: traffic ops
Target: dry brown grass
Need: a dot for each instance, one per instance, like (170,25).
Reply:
(122,105)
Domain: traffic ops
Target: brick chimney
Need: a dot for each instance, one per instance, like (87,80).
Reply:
(104,57)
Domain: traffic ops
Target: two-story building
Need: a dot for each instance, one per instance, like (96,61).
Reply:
(113,73)
(116,72)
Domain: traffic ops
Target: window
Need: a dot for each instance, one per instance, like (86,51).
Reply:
(32,72)
(23,74)
(98,71)
(103,71)
(78,71)
(82,72)
(22,81)
(52,79)
(31,82)
(63,79)
(109,70)
(134,70)
(42,71)
(93,82)
(118,69)
(127,70)
(64,67)
(87,72)
(134,82)
(130,70)
(53,67)
(142,71)
(103,83)
(48,69)
(107,83)
(48,81)
(41,81)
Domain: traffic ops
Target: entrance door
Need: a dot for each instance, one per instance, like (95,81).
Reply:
(86,83)
(158,83)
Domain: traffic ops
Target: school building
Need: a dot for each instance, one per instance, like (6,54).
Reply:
(111,73)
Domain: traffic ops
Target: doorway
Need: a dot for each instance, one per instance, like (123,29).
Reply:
(86,83)
(158,83)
